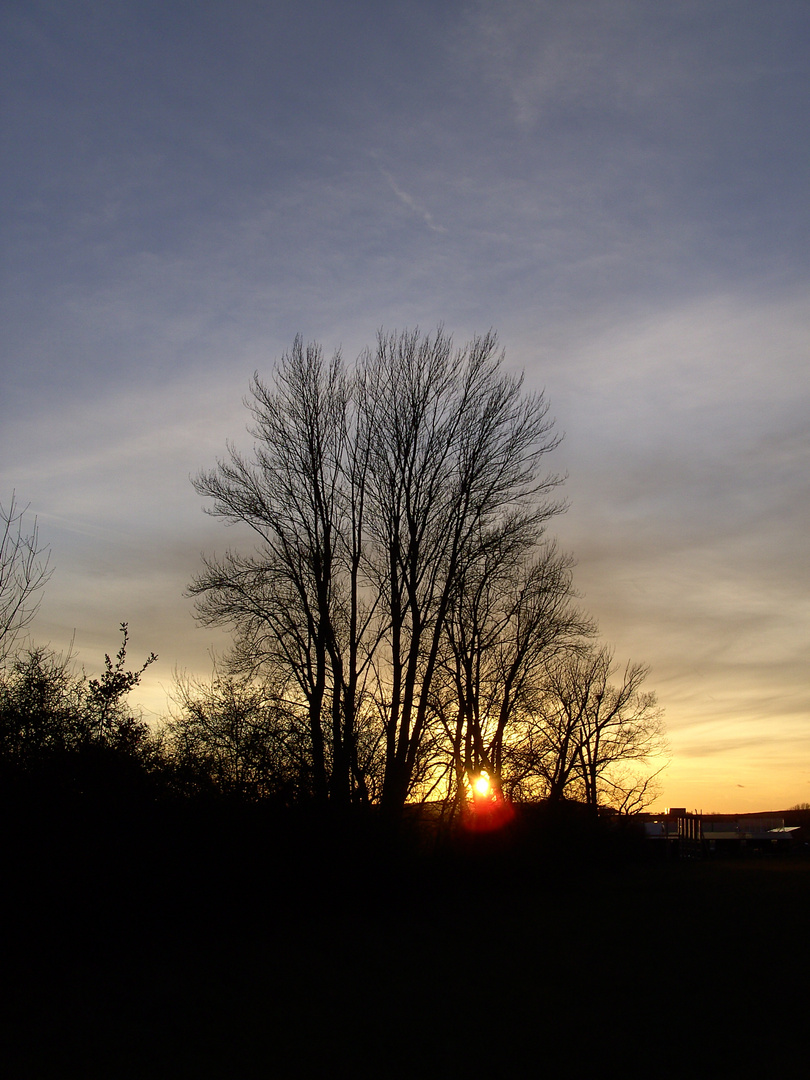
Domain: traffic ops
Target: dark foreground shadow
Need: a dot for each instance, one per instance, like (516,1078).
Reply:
(229,943)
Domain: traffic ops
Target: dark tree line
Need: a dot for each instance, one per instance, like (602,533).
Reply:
(75,734)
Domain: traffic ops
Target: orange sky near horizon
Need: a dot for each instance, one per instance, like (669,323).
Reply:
(619,190)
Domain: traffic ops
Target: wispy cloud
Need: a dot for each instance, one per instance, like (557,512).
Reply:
(412,204)
(618,188)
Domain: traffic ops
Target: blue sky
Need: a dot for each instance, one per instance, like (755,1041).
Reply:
(619,189)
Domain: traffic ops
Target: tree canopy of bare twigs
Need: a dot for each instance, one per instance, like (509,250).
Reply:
(401,603)
(24,571)
(592,734)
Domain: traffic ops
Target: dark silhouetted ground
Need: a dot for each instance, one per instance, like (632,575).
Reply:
(174,944)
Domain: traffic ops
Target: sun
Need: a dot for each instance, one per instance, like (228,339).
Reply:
(481,784)
(487,809)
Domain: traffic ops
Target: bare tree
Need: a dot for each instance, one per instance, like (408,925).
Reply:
(455,452)
(370,495)
(511,616)
(595,735)
(621,728)
(297,601)
(112,719)
(403,600)
(43,707)
(280,597)
(230,736)
(24,571)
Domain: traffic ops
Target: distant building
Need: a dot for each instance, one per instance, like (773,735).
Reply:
(685,835)
(676,832)
(741,833)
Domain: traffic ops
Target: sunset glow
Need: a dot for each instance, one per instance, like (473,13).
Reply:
(488,810)
(481,785)
(618,190)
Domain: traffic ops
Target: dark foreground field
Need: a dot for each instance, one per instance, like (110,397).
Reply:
(232,948)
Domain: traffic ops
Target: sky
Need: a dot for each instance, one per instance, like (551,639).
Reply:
(618,187)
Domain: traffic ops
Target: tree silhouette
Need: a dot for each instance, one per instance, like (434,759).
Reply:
(402,606)
(591,734)
(230,737)
(372,494)
(79,733)
(24,572)
(110,722)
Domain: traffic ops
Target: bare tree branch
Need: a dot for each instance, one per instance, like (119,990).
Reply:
(24,572)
